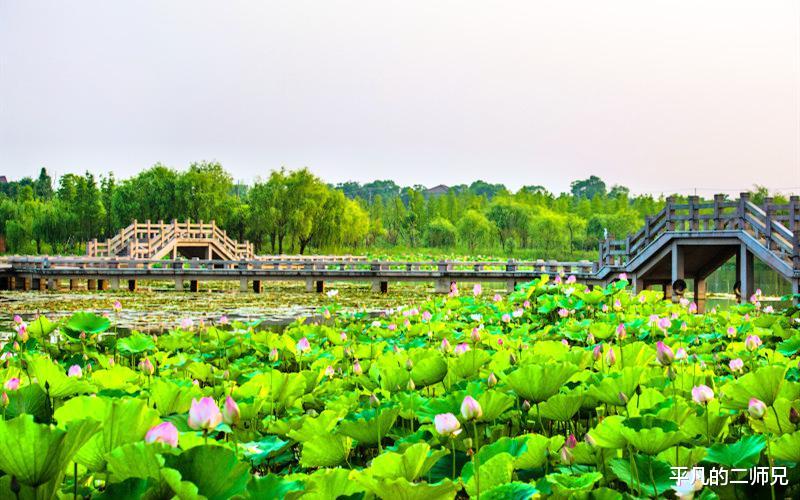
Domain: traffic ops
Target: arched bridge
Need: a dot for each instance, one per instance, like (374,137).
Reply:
(683,243)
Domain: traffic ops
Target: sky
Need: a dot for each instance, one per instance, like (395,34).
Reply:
(660,96)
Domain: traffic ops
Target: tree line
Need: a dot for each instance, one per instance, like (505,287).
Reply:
(297,212)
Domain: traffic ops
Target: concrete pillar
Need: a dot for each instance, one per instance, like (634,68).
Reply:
(257,286)
(91,284)
(73,284)
(12,283)
(102,284)
(700,294)
(131,285)
(667,286)
(379,286)
(744,265)
(677,270)
(114,283)
(39,284)
(319,285)
(243,285)
(194,286)
(52,284)
(309,285)
(511,285)
(795,290)
(442,286)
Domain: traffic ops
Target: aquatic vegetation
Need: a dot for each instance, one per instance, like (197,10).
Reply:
(556,390)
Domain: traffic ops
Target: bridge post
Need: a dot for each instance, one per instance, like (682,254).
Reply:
(178,283)
(700,293)
(511,267)
(194,285)
(744,266)
(694,219)
(257,286)
(115,283)
(73,284)
(320,286)
(380,286)
(670,212)
(795,290)
(131,285)
(309,285)
(102,284)
(741,211)
(442,285)
(794,227)
(677,271)
(91,284)
(243,285)
(719,199)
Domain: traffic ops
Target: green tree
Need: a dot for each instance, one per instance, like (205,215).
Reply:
(474,230)
(441,233)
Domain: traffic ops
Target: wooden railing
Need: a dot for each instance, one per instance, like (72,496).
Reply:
(774,226)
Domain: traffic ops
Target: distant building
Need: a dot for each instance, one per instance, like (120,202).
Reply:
(437,190)
(3,179)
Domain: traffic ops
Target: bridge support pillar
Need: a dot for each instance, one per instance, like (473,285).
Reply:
(309,285)
(795,290)
(73,284)
(243,285)
(91,284)
(511,285)
(52,284)
(194,285)
(744,266)
(379,286)
(677,271)
(12,283)
(258,286)
(319,285)
(178,284)
(115,284)
(443,286)
(102,284)
(700,293)
(131,285)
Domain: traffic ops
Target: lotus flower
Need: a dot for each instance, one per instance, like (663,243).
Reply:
(117,305)
(75,371)
(497,297)
(357,370)
(526,304)
(426,315)
(664,323)
(187,323)
(475,336)
(689,483)
(692,308)
(230,411)
(461,348)
(17,319)
(223,320)
(752,342)
(332,293)
(273,355)
(611,358)
(471,409)
(164,432)
(563,313)
(681,354)
(477,290)
(557,279)
(617,305)
(447,424)
(623,277)
(445,345)
(621,332)
(702,394)
(664,354)
(769,310)
(736,365)
(566,456)
(756,408)
(22,333)
(303,345)
(12,384)
(492,380)
(731,332)
(204,414)
(597,352)
(329,372)
(147,367)
(505,318)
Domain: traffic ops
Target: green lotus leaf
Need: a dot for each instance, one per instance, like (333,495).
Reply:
(124,421)
(776,420)
(744,453)
(516,447)
(786,447)
(330,483)
(648,471)
(428,369)
(325,450)
(38,454)
(401,488)
(469,364)
(173,486)
(496,471)
(608,389)
(87,322)
(494,404)
(30,399)
(134,460)
(413,464)
(60,385)
(695,424)
(567,483)
(366,426)
(511,491)
(273,487)
(608,433)
(561,406)
(171,398)
(116,378)
(766,383)
(130,489)
(214,470)
(41,327)
(135,343)
(280,390)
(536,383)
(650,434)
(601,331)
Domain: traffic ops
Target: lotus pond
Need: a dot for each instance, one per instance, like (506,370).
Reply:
(553,390)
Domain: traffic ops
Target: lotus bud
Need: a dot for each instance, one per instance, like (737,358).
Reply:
(794,416)
(447,424)
(756,408)
(526,406)
(611,358)
(475,336)
(736,365)
(571,441)
(492,380)
(17,319)
(303,345)
(357,370)
(22,333)
(196,382)
(445,346)
(230,412)
(731,332)
(187,323)
(329,371)
(374,401)
(461,348)
(4,399)
(622,398)
(505,318)
(343,337)
(164,432)
(111,361)
(471,409)
(15,346)
(12,384)
(621,332)
(273,355)
(702,394)
(75,371)
(477,289)
(566,456)
(147,367)
(500,342)
(681,354)
(664,354)
(204,414)
(597,352)
(752,342)
(83,336)
(604,308)
(590,339)
(565,342)
(409,364)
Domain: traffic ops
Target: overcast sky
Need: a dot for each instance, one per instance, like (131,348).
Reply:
(660,96)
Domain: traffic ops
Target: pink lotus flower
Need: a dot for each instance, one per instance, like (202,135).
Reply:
(477,290)
(565,342)
(571,441)
(736,365)
(303,345)
(146,366)
(461,348)
(664,324)
(526,304)
(187,323)
(445,345)
(164,432)
(223,320)
(329,372)
(642,299)
(12,384)
(557,279)
(75,371)
(623,277)
(604,308)
(357,370)
(567,458)
(117,305)
(426,315)
(18,319)
(756,408)
(475,336)
(471,409)
(204,414)
(611,358)
(447,424)
(752,342)
(621,332)
(702,394)
(664,354)
(505,318)
(497,297)
(769,310)
(692,308)
(563,313)
(22,333)
(392,327)
(617,305)
(517,313)
(230,411)
(731,332)
(571,279)
(343,337)
(597,352)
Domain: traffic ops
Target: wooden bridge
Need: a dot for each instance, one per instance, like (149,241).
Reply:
(677,247)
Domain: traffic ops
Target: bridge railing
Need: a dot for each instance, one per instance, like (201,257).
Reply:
(776,226)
